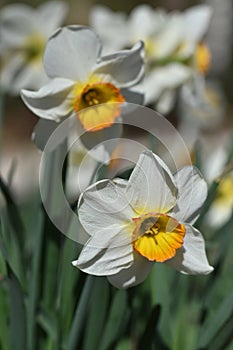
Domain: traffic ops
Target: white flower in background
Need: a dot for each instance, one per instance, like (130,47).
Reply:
(133,224)
(143,23)
(215,148)
(24,33)
(81,78)
(219,36)
(183,57)
(221,209)
(81,169)
(216,164)
(173,45)
(201,106)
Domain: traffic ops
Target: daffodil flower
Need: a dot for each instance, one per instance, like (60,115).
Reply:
(82,78)
(201,106)
(143,23)
(24,33)
(183,56)
(221,209)
(173,46)
(149,218)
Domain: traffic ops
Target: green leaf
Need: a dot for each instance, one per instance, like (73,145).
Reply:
(80,314)
(4,329)
(68,277)
(215,324)
(117,320)
(35,282)
(17,327)
(17,313)
(14,216)
(47,321)
(97,314)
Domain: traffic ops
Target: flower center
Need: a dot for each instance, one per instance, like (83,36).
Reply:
(157,236)
(34,47)
(202,58)
(102,95)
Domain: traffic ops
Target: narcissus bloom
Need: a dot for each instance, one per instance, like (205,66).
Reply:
(24,33)
(81,78)
(149,218)
(173,45)
(201,106)
(221,209)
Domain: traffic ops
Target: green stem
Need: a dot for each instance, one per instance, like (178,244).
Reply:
(170,59)
(1,117)
(80,313)
(35,285)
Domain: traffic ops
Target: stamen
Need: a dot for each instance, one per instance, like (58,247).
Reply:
(103,96)
(202,58)
(157,236)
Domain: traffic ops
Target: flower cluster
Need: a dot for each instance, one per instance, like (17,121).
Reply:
(173,44)
(88,77)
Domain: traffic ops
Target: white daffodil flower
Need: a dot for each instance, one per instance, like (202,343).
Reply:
(149,218)
(183,57)
(81,169)
(81,78)
(221,209)
(143,23)
(24,33)
(201,106)
(172,44)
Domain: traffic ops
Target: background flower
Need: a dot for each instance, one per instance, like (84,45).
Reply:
(24,32)
(173,47)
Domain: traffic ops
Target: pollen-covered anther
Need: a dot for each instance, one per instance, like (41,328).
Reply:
(157,236)
(106,98)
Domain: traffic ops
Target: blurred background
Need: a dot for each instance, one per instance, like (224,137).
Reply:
(19,153)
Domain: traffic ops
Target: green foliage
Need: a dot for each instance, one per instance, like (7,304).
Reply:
(45,303)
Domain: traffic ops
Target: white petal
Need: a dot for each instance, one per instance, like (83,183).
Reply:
(80,170)
(16,74)
(133,275)
(218,215)
(16,23)
(51,101)
(134,94)
(116,36)
(28,77)
(171,36)
(144,21)
(192,193)
(101,143)
(71,52)
(51,14)
(106,253)
(191,258)
(197,21)
(126,67)
(103,207)
(166,102)
(122,183)
(42,131)
(151,187)
(9,71)
(160,79)
(214,152)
